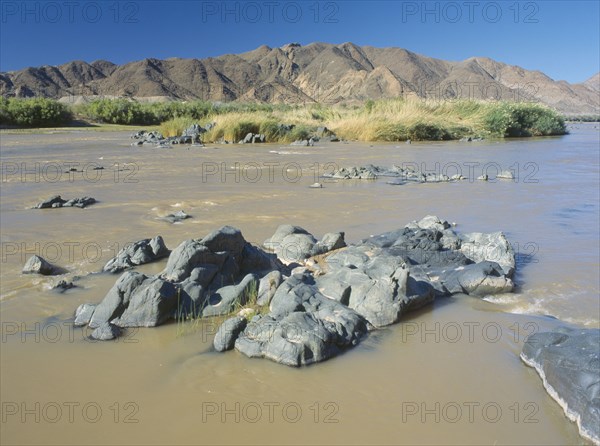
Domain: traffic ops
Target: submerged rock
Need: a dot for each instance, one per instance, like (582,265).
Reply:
(63,286)
(138,253)
(55,201)
(58,202)
(176,217)
(568,361)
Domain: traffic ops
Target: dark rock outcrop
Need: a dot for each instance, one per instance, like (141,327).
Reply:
(58,202)
(138,253)
(568,361)
(228,332)
(325,305)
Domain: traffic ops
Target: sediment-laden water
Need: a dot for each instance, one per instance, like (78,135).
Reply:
(448,374)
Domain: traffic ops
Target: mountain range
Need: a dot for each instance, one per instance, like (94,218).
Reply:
(318,72)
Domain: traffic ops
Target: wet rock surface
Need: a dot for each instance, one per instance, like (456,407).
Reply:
(138,253)
(58,202)
(568,361)
(38,265)
(315,298)
(406,174)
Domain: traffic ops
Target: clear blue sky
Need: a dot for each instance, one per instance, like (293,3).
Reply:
(560,38)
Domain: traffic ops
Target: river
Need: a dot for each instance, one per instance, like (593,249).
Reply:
(448,374)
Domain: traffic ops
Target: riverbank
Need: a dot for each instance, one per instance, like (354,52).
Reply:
(395,119)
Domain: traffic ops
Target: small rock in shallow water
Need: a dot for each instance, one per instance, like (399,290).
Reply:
(176,217)
(506,175)
(316,186)
(38,265)
(106,332)
(63,286)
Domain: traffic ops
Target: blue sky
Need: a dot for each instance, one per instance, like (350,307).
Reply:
(556,37)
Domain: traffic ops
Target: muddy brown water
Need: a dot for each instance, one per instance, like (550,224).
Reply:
(449,374)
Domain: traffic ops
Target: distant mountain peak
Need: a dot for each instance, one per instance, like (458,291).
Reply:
(295,73)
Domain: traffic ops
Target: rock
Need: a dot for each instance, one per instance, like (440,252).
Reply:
(568,361)
(225,299)
(379,289)
(189,255)
(80,202)
(258,138)
(38,265)
(355,173)
(150,304)
(83,314)
(176,217)
(58,202)
(194,133)
(303,328)
(483,177)
(267,287)
(291,243)
(106,332)
(138,253)
(136,300)
(227,238)
(257,261)
(63,286)
(295,244)
(478,279)
(316,186)
(51,202)
(329,301)
(228,332)
(432,222)
(492,247)
(506,174)
(329,242)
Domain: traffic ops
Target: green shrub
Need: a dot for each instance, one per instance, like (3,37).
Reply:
(272,130)
(523,119)
(120,111)
(4,113)
(36,112)
(428,132)
(242,128)
(300,132)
